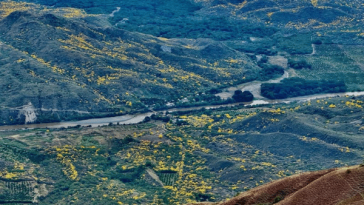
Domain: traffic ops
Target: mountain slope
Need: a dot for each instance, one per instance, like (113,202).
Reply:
(76,66)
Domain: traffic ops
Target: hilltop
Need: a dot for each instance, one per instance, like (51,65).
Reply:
(334,186)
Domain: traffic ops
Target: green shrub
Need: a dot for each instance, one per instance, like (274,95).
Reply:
(298,64)
(269,71)
(245,96)
(293,87)
(277,199)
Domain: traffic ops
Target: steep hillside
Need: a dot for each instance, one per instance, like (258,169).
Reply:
(60,63)
(334,186)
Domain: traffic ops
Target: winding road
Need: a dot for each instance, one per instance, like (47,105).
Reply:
(115,11)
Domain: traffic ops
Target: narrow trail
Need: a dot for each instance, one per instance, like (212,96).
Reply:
(56,110)
(313,49)
(114,12)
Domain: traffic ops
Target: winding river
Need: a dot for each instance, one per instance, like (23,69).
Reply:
(253,87)
(133,119)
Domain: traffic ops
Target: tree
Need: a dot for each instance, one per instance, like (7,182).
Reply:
(146,119)
(245,96)
(298,64)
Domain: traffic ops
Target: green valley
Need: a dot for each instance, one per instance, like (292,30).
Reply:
(217,97)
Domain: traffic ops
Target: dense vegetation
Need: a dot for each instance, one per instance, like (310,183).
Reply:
(167,18)
(240,96)
(269,71)
(298,64)
(293,87)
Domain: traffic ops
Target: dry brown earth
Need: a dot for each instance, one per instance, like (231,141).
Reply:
(342,186)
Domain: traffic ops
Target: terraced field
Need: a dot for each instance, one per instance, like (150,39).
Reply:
(17,192)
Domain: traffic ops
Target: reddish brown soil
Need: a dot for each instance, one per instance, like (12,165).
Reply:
(342,186)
